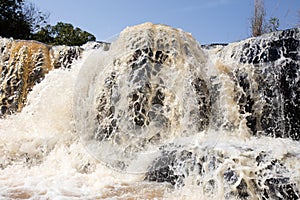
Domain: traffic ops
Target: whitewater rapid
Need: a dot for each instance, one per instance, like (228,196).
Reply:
(52,148)
(40,150)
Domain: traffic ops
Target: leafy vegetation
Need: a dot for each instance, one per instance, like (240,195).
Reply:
(63,33)
(22,20)
(13,21)
(259,25)
(273,24)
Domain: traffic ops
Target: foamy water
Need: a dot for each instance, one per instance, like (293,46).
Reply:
(50,151)
(40,150)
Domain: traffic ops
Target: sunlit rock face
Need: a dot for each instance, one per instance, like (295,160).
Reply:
(24,64)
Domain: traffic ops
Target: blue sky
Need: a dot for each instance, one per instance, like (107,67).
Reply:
(209,21)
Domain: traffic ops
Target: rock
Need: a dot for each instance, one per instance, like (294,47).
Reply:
(24,64)
(96,45)
(268,71)
(214,171)
(147,73)
(264,74)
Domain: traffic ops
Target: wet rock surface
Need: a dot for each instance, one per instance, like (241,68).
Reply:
(269,178)
(24,64)
(272,81)
(266,74)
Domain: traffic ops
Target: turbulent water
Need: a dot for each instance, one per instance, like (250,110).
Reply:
(157,116)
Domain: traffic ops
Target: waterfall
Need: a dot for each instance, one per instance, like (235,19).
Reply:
(152,115)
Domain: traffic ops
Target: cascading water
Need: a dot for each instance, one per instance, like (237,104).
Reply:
(159,116)
(145,96)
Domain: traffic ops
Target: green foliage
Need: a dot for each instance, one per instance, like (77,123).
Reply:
(44,35)
(63,34)
(13,22)
(22,20)
(273,25)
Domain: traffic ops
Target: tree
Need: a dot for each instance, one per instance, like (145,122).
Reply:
(19,19)
(22,20)
(63,33)
(12,19)
(298,19)
(34,17)
(44,35)
(259,25)
(258,18)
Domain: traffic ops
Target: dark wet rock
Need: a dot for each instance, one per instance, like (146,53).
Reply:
(213,45)
(64,56)
(272,81)
(171,167)
(269,179)
(147,60)
(270,47)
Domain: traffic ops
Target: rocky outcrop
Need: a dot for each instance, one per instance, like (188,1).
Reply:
(268,72)
(23,64)
(152,87)
(264,74)
(248,177)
